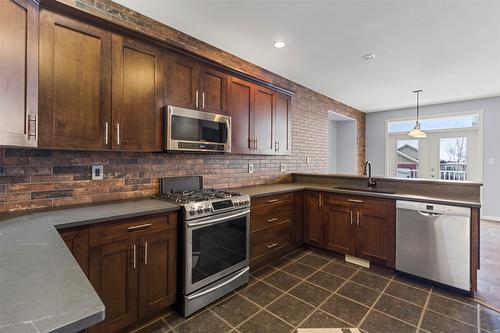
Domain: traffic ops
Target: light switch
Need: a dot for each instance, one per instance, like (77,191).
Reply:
(282,167)
(250,168)
(308,160)
(97,172)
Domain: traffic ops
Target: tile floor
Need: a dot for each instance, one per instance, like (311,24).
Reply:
(313,289)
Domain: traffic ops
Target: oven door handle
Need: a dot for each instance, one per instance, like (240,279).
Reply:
(224,218)
(219,286)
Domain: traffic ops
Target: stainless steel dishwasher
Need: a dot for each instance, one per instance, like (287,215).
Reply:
(433,242)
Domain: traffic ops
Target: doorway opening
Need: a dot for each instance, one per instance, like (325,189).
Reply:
(342,146)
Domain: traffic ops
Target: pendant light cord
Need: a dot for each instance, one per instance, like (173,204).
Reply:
(418,107)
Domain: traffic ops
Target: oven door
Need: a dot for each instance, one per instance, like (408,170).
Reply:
(215,247)
(193,130)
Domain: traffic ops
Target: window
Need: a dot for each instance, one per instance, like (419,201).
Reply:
(465,121)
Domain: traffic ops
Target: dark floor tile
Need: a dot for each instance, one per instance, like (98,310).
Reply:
(326,280)
(297,253)
(413,283)
(235,309)
(407,293)
(290,309)
(490,320)
(436,323)
(300,270)
(158,326)
(264,322)
(320,319)
(261,293)
(202,323)
(281,262)
(282,280)
(399,309)
(263,272)
(453,295)
(345,309)
(313,260)
(310,293)
(377,322)
(339,270)
(454,309)
(379,270)
(359,293)
(370,280)
(173,319)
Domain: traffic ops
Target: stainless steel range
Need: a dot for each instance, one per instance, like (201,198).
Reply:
(214,241)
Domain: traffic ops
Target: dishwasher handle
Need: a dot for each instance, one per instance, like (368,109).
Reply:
(427,214)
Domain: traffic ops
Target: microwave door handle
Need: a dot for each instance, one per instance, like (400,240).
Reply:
(213,221)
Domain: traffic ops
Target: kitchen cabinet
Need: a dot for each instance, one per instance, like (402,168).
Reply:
(132,266)
(260,119)
(74,84)
(195,86)
(19,68)
(77,241)
(137,95)
(298,227)
(352,225)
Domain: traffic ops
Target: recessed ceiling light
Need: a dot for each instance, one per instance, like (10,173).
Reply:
(279,44)
(369,56)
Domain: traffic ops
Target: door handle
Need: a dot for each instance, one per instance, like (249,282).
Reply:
(357,218)
(118,133)
(134,259)
(106,132)
(145,253)
(203,100)
(196,102)
(351,216)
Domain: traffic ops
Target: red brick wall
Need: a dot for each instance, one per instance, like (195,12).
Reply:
(31,178)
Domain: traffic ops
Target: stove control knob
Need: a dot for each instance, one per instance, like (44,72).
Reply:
(207,209)
(200,209)
(192,211)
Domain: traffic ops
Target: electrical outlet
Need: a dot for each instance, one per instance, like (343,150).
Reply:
(250,168)
(308,160)
(97,172)
(282,167)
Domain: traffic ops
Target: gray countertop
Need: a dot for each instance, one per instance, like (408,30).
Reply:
(42,288)
(263,190)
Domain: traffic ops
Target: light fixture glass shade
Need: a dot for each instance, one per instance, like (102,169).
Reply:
(417,132)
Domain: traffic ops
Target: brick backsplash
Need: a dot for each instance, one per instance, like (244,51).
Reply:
(38,178)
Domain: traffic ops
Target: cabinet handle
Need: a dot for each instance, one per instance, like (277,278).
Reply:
(357,218)
(118,133)
(272,220)
(106,132)
(139,227)
(203,100)
(270,246)
(255,144)
(250,143)
(134,250)
(34,122)
(320,201)
(354,200)
(145,253)
(196,98)
(277,145)
(273,201)
(351,217)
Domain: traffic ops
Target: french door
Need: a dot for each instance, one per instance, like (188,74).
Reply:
(452,154)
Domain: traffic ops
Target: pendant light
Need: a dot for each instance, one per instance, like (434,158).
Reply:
(416,132)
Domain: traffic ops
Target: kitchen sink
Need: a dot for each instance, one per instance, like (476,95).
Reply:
(365,189)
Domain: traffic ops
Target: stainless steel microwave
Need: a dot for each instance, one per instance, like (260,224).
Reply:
(192,130)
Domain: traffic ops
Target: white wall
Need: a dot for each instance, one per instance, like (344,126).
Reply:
(342,146)
(375,144)
(332,146)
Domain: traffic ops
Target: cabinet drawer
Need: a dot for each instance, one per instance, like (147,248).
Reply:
(136,226)
(272,200)
(358,201)
(263,219)
(267,241)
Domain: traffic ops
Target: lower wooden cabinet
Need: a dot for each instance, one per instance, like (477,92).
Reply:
(354,225)
(77,241)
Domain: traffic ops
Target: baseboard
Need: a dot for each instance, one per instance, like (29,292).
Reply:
(490,218)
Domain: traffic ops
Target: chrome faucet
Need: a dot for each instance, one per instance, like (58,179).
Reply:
(368,171)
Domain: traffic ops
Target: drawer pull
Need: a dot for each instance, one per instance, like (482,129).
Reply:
(270,246)
(354,200)
(273,201)
(274,219)
(139,227)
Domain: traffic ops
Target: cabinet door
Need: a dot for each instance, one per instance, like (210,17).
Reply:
(213,90)
(338,228)
(157,277)
(183,82)
(375,231)
(137,95)
(263,117)
(314,218)
(113,272)
(19,68)
(77,241)
(75,83)
(298,218)
(282,125)
(240,108)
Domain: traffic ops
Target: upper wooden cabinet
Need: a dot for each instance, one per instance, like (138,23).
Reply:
(75,84)
(19,73)
(260,119)
(137,94)
(195,86)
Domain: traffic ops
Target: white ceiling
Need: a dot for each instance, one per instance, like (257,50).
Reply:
(448,48)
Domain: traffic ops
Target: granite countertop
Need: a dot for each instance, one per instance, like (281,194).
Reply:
(42,288)
(269,189)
